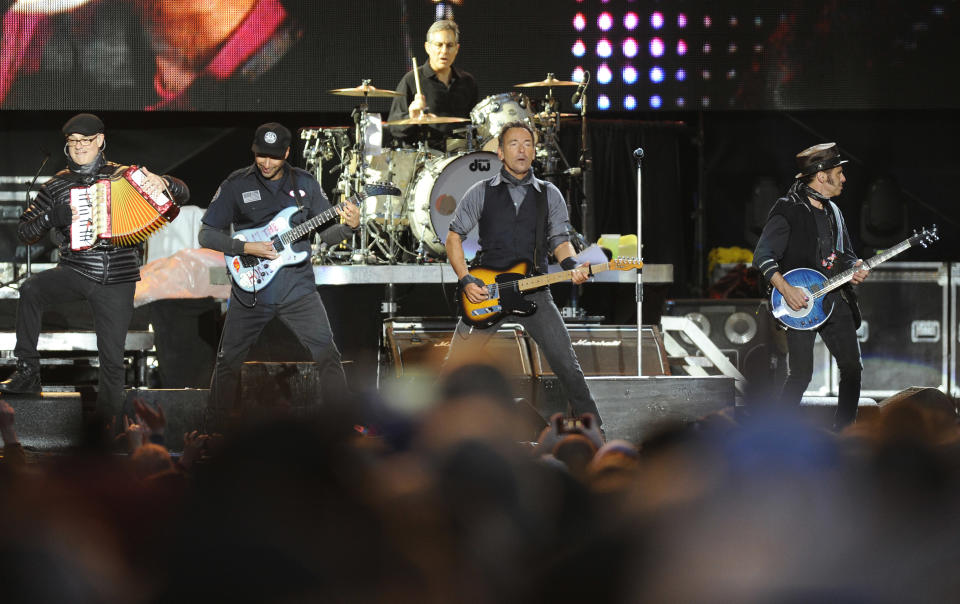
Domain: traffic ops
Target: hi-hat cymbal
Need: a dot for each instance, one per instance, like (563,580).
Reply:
(550,81)
(365,90)
(426,120)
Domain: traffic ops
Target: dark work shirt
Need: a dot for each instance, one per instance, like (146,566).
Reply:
(455,100)
(246,200)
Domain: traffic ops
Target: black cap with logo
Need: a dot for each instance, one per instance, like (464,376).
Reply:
(271,139)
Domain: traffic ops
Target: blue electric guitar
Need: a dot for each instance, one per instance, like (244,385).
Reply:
(815,286)
(252,273)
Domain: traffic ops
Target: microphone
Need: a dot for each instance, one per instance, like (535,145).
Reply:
(638,153)
(572,171)
(581,88)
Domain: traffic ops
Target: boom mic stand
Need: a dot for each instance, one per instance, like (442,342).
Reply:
(26,206)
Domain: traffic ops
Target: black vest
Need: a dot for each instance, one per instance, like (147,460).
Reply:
(802,247)
(507,234)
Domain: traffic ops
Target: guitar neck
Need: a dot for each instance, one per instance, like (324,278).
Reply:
(542,280)
(839,280)
(310,225)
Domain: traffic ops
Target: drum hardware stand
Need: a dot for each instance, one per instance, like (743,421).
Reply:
(360,119)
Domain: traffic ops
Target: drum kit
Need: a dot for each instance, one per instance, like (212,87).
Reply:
(412,226)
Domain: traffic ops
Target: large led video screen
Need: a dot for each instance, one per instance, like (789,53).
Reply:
(285,55)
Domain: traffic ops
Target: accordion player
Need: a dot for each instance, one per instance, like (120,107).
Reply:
(119,209)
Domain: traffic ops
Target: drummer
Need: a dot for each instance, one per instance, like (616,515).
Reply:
(446,90)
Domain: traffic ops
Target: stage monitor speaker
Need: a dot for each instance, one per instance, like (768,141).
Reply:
(903,338)
(420,345)
(609,350)
(743,330)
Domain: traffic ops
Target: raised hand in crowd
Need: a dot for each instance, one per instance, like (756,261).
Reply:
(194,445)
(154,419)
(136,434)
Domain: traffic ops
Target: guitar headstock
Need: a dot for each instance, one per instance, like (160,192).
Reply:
(626,263)
(925,237)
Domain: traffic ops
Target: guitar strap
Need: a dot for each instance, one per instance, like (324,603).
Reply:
(296,189)
(541,227)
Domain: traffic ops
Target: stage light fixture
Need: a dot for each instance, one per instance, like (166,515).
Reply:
(681,102)
(579,22)
(604,49)
(629,102)
(705,74)
(579,48)
(656,20)
(577,75)
(604,75)
(707,48)
(603,102)
(655,101)
(733,21)
(656,75)
(681,47)
(705,101)
(656,47)
(631,20)
(630,48)
(605,21)
(732,48)
(629,75)
(681,20)
(707,21)
(731,74)
(681,75)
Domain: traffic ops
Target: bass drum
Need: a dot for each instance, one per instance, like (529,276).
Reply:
(436,192)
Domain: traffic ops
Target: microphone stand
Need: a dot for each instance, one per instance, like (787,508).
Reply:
(26,206)
(638,157)
(586,166)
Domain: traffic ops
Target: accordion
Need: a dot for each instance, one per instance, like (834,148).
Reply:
(119,210)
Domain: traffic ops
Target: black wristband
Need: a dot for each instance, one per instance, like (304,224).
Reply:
(568,263)
(468,278)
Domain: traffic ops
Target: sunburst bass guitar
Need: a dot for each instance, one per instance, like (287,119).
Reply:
(815,286)
(507,286)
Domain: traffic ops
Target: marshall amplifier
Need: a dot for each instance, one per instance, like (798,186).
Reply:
(609,350)
(420,345)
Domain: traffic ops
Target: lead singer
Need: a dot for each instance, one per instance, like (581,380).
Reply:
(104,275)
(507,209)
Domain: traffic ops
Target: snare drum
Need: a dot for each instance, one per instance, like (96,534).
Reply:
(436,192)
(493,112)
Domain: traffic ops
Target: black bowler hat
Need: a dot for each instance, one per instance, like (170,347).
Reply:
(86,124)
(271,139)
(818,157)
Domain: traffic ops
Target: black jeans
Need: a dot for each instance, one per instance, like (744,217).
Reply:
(306,318)
(546,327)
(112,307)
(840,336)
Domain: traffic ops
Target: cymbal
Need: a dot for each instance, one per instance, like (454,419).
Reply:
(550,81)
(544,115)
(365,90)
(425,121)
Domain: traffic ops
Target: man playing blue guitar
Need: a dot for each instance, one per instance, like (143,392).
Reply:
(805,230)
(249,199)
(519,218)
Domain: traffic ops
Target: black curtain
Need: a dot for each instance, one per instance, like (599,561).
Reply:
(669,186)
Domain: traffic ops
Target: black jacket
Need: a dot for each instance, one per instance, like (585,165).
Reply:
(104,263)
